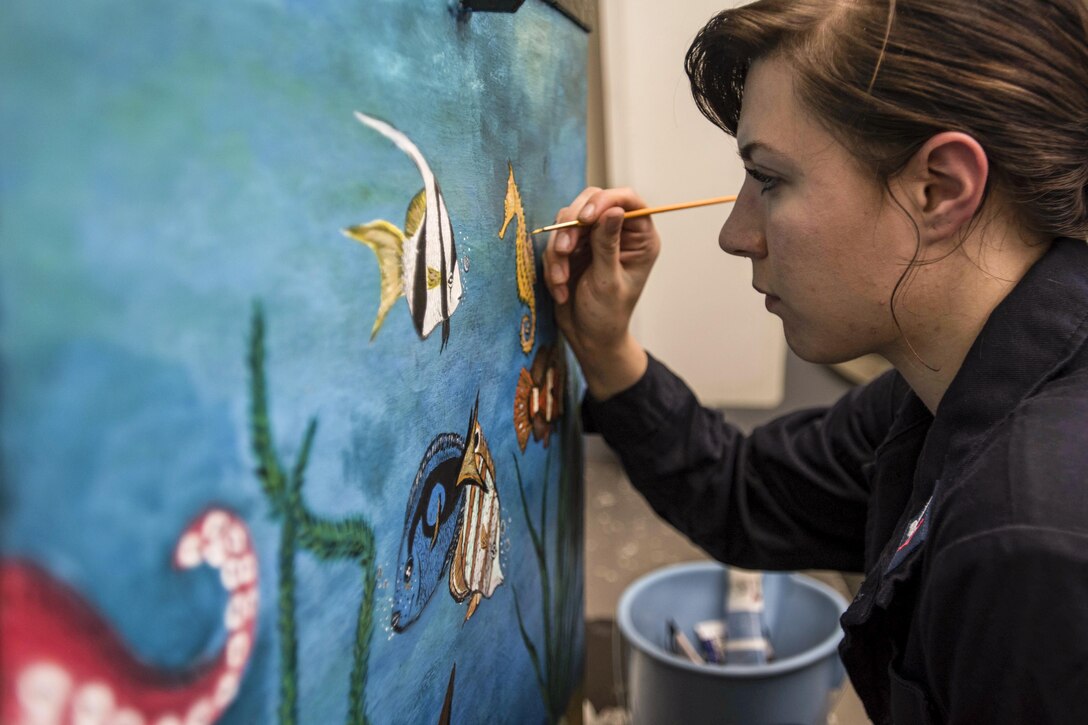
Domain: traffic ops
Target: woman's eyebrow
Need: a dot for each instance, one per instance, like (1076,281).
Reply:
(751,147)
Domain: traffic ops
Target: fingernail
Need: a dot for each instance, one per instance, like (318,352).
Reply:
(613,223)
(587,212)
(562,242)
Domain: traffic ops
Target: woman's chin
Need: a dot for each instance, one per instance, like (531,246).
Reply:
(813,349)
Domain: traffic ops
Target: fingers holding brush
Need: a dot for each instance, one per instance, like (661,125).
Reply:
(595,272)
(560,248)
(629,245)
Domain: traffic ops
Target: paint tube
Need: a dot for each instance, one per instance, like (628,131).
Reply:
(747,642)
(712,636)
(680,644)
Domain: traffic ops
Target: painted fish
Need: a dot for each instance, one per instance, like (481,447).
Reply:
(430,525)
(526,263)
(476,571)
(419,262)
(538,399)
(452,518)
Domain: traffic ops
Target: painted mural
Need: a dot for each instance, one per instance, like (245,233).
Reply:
(240,480)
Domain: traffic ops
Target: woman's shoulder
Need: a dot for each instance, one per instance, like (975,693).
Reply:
(1047,433)
(1031,472)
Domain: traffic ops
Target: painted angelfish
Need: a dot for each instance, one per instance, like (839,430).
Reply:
(476,571)
(538,398)
(419,262)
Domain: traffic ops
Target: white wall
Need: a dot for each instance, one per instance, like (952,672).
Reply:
(699,313)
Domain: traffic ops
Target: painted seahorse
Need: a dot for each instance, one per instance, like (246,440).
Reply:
(61,662)
(526,263)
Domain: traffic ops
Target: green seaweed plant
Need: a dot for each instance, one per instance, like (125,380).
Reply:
(555,668)
(351,539)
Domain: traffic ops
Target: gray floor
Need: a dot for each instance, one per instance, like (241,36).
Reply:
(625,539)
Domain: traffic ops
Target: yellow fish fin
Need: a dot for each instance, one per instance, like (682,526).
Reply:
(434,278)
(387,242)
(417,207)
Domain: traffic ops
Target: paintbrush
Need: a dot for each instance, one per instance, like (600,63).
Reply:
(644,212)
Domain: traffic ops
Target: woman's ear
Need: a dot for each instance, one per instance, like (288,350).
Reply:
(946,181)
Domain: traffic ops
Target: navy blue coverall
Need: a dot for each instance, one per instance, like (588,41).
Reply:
(970,525)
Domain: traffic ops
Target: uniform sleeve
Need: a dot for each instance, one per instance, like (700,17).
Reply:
(792,495)
(1004,621)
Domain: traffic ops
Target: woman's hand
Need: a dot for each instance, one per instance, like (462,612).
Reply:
(596,275)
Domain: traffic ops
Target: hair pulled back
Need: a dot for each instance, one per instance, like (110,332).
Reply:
(884,76)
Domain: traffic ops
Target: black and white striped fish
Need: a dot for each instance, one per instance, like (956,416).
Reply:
(419,262)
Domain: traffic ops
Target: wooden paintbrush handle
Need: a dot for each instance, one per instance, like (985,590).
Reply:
(644,212)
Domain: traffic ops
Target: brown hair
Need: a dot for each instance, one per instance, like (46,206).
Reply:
(884,76)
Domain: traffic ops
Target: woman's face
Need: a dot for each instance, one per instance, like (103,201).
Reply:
(826,248)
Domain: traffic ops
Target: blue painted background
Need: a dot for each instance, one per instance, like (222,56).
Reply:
(163,165)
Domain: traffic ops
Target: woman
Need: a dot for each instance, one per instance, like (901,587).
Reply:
(917,187)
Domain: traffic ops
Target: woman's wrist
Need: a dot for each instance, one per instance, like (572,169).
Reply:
(613,370)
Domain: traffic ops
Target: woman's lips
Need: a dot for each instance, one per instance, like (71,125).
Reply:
(768,299)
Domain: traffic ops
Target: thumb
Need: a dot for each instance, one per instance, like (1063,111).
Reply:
(604,240)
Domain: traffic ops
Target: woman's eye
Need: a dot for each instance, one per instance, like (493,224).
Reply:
(767,181)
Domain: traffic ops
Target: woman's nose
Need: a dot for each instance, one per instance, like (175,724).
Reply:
(742,233)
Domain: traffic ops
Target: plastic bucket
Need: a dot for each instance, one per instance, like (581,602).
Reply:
(802,616)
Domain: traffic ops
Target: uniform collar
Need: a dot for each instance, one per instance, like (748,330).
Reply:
(1029,336)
